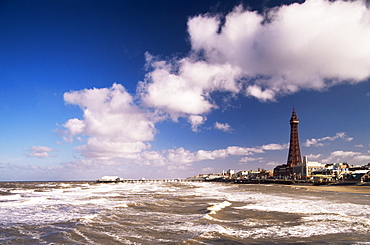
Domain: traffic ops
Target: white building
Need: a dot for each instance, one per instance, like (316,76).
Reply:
(305,169)
(231,172)
(242,173)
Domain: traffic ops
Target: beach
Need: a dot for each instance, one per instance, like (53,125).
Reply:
(354,189)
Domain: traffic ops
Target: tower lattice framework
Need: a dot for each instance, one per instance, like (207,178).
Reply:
(294,155)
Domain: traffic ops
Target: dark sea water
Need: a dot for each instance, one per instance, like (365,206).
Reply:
(179,213)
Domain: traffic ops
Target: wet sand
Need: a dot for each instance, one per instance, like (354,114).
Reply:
(336,188)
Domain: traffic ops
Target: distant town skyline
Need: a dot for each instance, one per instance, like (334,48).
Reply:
(167,89)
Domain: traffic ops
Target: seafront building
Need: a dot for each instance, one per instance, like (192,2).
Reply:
(308,171)
(305,170)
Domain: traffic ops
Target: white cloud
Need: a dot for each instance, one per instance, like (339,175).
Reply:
(302,46)
(313,45)
(312,142)
(263,95)
(314,156)
(319,142)
(223,127)
(182,87)
(108,147)
(250,159)
(196,121)
(210,155)
(273,164)
(274,147)
(41,152)
(362,158)
(81,164)
(182,156)
(346,156)
(151,158)
(75,126)
(115,126)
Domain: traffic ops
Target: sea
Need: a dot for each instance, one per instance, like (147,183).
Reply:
(179,213)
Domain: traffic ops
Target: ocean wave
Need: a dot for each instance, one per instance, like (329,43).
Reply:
(125,213)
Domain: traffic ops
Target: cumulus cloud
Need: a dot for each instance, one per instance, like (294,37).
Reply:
(250,159)
(181,156)
(275,147)
(196,121)
(114,125)
(323,141)
(345,156)
(312,45)
(182,88)
(41,152)
(223,127)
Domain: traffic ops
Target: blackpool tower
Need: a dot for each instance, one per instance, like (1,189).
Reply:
(294,155)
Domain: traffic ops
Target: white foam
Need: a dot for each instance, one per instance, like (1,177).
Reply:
(88,240)
(218,206)
(118,238)
(303,206)
(88,218)
(122,205)
(7,198)
(275,231)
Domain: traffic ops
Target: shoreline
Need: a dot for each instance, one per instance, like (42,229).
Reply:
(352,189)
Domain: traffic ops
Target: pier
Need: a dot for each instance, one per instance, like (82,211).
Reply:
(120,180)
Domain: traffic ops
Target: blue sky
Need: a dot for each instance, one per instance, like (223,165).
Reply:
(161,89)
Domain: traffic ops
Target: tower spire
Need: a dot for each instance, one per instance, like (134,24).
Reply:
(294,155)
